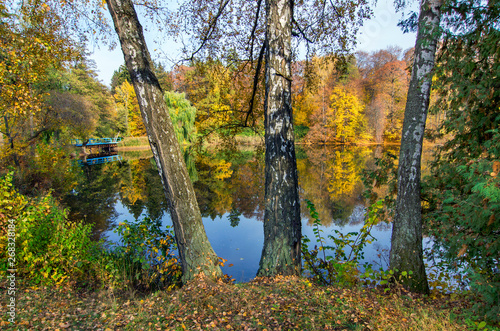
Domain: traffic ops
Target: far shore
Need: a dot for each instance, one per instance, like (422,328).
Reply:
(142,143)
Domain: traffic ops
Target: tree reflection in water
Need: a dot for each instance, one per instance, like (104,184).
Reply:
(230,190)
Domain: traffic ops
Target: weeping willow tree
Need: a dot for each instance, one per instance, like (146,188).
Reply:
(183,116)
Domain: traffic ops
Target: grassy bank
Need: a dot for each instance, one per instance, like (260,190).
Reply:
(130,154)
(280,304)
(128,142)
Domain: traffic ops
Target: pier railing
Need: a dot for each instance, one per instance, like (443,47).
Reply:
(95,141)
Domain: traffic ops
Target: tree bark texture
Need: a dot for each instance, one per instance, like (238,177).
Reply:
(282,225)
(406,242)
(195,252)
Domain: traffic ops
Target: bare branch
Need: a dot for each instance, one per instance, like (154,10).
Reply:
(252,34)
(256,81)
(301,32)
(335,9)
(211,28)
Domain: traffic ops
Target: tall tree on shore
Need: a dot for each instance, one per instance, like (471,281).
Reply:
(406,243)
(196,253)
(31,47)
(282,224)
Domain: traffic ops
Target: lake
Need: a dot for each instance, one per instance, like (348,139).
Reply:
(230,190)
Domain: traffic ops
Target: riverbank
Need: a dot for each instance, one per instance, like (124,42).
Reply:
(281,304)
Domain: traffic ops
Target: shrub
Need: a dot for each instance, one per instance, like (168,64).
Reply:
(343,266)
(49,249)
(143,259)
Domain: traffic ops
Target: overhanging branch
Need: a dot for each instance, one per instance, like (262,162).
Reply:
(211,28)
(255,24)
(255,81)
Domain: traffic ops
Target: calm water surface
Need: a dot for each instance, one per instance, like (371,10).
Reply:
(230,189)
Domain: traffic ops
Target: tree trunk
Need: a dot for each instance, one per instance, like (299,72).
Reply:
(196,253)
(282,226)
(406,242)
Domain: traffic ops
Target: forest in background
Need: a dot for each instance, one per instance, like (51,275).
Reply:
(359,102)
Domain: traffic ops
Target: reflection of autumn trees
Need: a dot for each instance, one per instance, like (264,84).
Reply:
(141,191)
(227,183)
(234,186)
(135,183)
(212,192)
(249,193)
(331,179)
(344,173)
(133,186)
(94,197)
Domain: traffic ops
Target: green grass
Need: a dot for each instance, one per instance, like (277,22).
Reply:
(136,155)
(134,141)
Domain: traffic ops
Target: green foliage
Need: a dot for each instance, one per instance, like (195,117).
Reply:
(249,132)
(463,190)
(119,77)
(49,249)
(343,266)
(144,259)
(183,116)
(300,131)
(11,205)
(487,287)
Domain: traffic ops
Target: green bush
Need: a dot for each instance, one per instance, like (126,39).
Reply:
(300,131)
(339,268)
(49,249)
(463,218)
(143,259)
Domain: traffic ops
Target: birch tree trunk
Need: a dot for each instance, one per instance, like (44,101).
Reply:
(196,253)
(282,226)
(406,242)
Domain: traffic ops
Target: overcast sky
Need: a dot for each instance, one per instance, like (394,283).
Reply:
(378,33)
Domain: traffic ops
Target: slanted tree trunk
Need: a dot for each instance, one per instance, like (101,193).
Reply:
(282,226)
(196,253)
(406,242)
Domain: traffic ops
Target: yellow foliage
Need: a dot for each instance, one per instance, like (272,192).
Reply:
(126,102)
(28,52)
(345,115)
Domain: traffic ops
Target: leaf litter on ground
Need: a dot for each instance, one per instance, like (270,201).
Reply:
(282,303)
